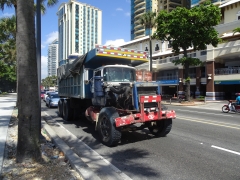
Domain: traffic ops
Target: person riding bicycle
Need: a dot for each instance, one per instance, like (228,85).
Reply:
(237,102)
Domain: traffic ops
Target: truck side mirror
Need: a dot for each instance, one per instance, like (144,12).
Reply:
(86,76)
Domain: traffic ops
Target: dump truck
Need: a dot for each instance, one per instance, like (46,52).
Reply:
(105,86)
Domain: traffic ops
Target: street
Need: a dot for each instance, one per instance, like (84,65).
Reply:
(203,144)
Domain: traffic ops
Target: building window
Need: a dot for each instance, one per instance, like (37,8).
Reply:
(203,53)
(146,48)
(156,47)
(170,44)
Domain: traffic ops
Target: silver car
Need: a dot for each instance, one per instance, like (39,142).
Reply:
(52,100)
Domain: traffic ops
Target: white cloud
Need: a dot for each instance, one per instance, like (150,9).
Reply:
(116,43)
(42,46)
(6,15)
(44,67)
(119,9)
(127,14)
(51,37)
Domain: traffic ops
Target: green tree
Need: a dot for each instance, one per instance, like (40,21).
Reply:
(236,30)
(186,29)
(28,108)
(7,72)
(149,21)
(8,39)
(49,81)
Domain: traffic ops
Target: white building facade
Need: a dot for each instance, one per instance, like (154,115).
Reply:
(79,27)
(53,58)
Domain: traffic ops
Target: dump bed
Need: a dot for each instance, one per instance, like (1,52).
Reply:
(71,75)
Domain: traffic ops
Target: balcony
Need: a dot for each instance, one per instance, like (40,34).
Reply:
(138,26)
(141,8)
(139,36)
(140,30)
(140,3)
(138,15)
(176,1)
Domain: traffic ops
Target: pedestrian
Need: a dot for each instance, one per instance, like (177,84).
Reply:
(237,102)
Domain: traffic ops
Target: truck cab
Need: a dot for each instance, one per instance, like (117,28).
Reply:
(114,75)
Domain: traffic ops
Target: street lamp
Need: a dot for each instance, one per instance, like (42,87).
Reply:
(179,81)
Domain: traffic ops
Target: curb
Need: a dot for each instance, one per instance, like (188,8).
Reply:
(74,160)
(183,104)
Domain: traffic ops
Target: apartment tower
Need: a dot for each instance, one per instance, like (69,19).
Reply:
(80,28)
(53,58)
(139,7)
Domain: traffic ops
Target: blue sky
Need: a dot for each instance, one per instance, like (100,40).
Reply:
(115,24)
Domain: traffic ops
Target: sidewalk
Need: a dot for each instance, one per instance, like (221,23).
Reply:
(215,105)
(7,104)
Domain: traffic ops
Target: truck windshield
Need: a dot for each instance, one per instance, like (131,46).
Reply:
(119,74)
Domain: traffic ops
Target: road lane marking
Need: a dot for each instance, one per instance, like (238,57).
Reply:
(206,113)
(227,150)
(228,125)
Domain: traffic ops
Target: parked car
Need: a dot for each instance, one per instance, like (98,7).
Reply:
(42,94)
(47,93)
(52,100)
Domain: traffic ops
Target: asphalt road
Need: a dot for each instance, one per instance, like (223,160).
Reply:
(203,144)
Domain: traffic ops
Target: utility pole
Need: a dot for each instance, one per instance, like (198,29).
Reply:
(38,52)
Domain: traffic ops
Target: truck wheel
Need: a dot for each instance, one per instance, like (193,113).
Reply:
(60,108)
(67,110)
(161,128)
(110,135)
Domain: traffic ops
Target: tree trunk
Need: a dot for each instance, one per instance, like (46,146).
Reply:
(150,52)
(186,75)
(28,97)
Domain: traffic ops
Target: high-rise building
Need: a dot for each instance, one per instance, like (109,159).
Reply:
(80,28)
(139,7)
(53,58)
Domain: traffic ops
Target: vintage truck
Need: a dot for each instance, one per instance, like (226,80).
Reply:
(104,85)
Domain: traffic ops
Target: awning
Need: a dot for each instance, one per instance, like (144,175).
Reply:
(227,82)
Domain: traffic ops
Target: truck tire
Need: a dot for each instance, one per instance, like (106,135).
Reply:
(67,110)
(109,134)
(60,108)
(161,128)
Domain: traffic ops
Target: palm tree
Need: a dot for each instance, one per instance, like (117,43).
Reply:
(28,107)
(13,3)
(236,30)
(149,20)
